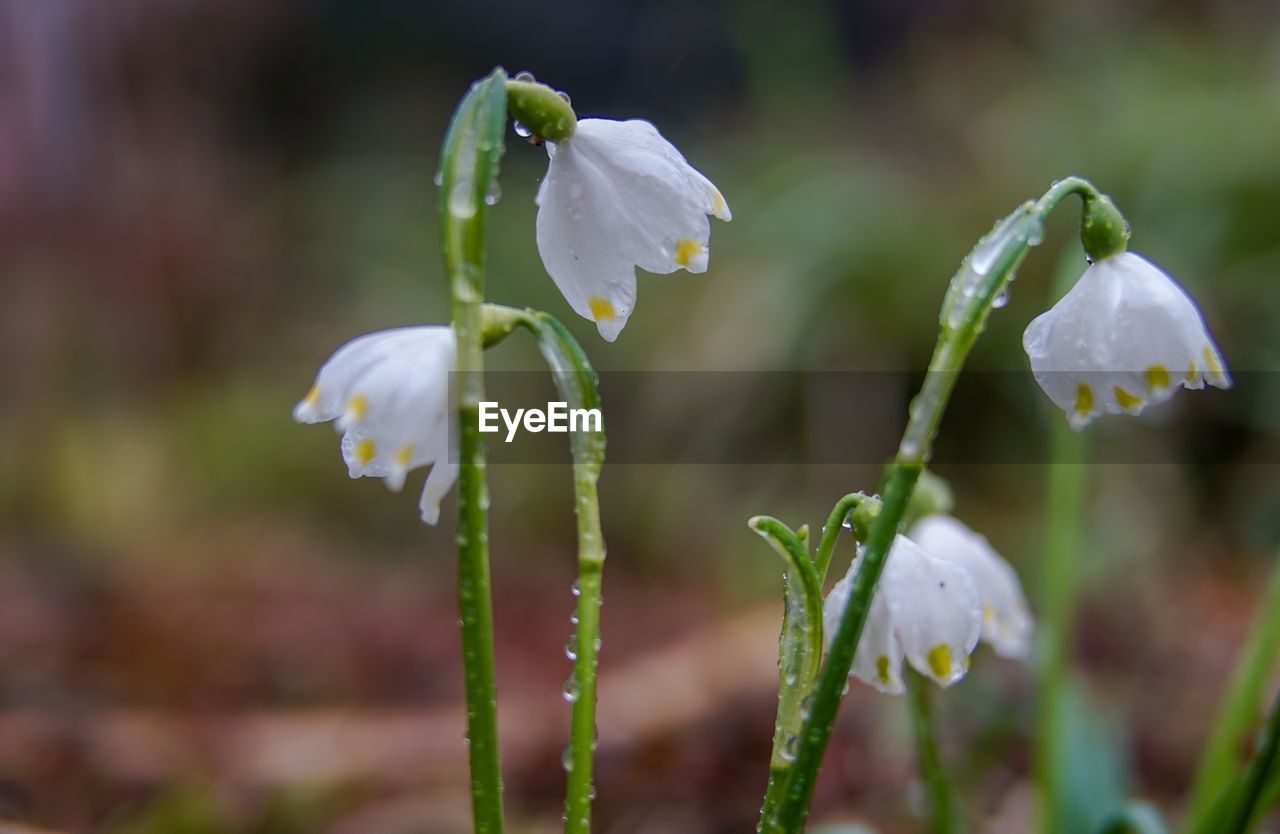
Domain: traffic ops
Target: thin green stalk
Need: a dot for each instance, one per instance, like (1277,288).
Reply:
(942,811)
(577,383)
(1240,816)
(1239,709)
(469,164)
(1058,591)
(1134,818)
(983,275)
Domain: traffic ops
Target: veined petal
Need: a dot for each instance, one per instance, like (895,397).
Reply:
(1006,619)
(878,659)
(617,196)
(936,611)
(388,394)
(1125,336)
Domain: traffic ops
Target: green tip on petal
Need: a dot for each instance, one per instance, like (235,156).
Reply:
(541,109)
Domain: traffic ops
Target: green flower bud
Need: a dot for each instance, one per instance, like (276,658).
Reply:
(544,111)
(1103,229)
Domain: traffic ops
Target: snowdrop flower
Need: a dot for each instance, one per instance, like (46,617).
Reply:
(1006,620)
(617,196)
(924,610)
(388,394)
(1125,336)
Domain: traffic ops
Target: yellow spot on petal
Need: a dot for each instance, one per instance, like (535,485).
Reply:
(601,308)
(882,669)
(1211,360)
(717,203)
(1125,399)
(313,396)
(1084,399)
(1157,377)
(358,407)
(366,451)
(988,614)
(1191,372)
(940,661)
(404,455)
(686,249)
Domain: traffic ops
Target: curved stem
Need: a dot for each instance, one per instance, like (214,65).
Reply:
(983,275)
(468,166)
(942,813)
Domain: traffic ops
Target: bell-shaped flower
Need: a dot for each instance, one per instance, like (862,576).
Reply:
(1006,619)
(388,394)
(617,196)
(924,610)
(1125,336)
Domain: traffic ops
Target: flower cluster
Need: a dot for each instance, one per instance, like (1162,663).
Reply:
(943,589)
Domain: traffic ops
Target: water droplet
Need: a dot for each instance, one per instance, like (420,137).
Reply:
(566,759)
(790,745)
(571,647)
(1001,299)
(494,195)
(438,178)
(806,706)
(570,691)
(525,75)
(462,202)
(564,96)
(573,618)
(522,131)
(576,588)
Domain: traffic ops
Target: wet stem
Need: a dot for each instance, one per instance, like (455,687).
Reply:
(941,811)
(469,162)
(960,328)
(585,653)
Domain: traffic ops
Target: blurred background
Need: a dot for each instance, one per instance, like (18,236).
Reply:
(206,627)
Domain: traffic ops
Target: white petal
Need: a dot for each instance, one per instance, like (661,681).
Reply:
(935,608)
(1125,336)
(1006,619)
(389,394)
(878,659)
(617,196)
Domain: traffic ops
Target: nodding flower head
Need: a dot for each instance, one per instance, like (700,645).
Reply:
(617,196)
(388,394)
(1125,336)
(925,610)
(1006,619)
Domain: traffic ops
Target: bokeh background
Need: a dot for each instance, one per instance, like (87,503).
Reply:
(205,627)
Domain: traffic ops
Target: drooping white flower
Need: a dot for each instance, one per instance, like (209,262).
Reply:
(924,609)
(1125,336)
(617,196)
(388,394)
(1006,619)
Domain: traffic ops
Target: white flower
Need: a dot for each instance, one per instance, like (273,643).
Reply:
(388,393)
(924,609)
(1006,620)
(1126,335)
(617,196)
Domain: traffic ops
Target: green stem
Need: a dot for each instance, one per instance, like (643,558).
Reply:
(1058,591)
(1240,817)
(468,167)
(942,812)
(863,508)
(1134,818)
(1240,706)
(578,385)
(983,275)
